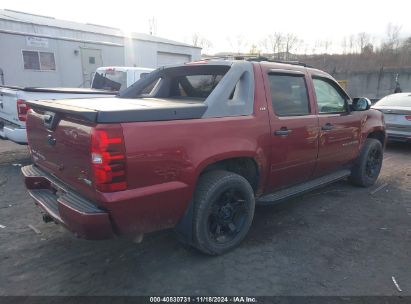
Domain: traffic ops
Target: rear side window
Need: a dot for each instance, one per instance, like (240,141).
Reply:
(289,95)
(329,99)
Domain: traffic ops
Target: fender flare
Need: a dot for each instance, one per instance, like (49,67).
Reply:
(184,227)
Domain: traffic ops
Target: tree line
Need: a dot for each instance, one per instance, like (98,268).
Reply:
(356,52)
(391,48)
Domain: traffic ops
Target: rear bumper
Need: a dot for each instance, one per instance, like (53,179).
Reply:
(18,135)
(77,214)
(396,135)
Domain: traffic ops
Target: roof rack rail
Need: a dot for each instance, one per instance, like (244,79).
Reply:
(263,58)
(257,59)
(228,57)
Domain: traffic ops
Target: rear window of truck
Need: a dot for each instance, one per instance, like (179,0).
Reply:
(180,83)
(196,86)
(225,89)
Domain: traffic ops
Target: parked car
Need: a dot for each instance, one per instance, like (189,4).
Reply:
(397,114)
(13,106)
(116,78)
(194,147)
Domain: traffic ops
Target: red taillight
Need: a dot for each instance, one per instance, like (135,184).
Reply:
(108,158)
(408,117)
(22,109)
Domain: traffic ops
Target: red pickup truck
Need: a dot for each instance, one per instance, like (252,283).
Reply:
(194,147)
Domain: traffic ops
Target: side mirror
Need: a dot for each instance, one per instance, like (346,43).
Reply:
(361,104)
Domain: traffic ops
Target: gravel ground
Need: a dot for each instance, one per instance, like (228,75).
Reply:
(339,240)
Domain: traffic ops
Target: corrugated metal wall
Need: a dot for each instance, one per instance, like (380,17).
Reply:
(68,71)
(66,44)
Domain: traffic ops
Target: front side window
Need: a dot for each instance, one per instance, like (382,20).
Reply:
(329,99)
(289,95)
(39,61)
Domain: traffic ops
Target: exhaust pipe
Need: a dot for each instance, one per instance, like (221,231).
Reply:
(47,218)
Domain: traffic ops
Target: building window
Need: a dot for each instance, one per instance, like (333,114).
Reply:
(47,62)
(92,60)
(40,61)
(31,60)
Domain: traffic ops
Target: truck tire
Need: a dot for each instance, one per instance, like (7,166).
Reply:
(368,164)
(223,211)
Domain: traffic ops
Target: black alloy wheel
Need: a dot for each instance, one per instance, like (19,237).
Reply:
(374,161)
(367,166)
(224,205)
(228,216)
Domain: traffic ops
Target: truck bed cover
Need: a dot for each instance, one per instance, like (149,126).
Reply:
(118,110)
(61,90)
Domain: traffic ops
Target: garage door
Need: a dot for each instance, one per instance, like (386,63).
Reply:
(171,58)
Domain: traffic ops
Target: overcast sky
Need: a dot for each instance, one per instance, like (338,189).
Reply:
(224,20)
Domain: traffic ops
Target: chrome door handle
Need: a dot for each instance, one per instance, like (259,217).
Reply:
(282,132)
(327,127)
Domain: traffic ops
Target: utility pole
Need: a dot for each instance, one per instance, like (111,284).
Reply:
(152,22)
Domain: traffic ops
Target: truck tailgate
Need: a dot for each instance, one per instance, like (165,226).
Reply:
(60,135)
(8,108)
(60,145)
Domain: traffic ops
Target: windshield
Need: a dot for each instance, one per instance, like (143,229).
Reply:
(110,80)
(396,100)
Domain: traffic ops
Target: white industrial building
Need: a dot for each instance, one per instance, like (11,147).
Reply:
(43,51)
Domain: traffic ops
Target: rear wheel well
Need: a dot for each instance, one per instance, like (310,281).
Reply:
(244,166)
(379,135)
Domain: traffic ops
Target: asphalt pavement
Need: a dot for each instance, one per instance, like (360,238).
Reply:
(340,240)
